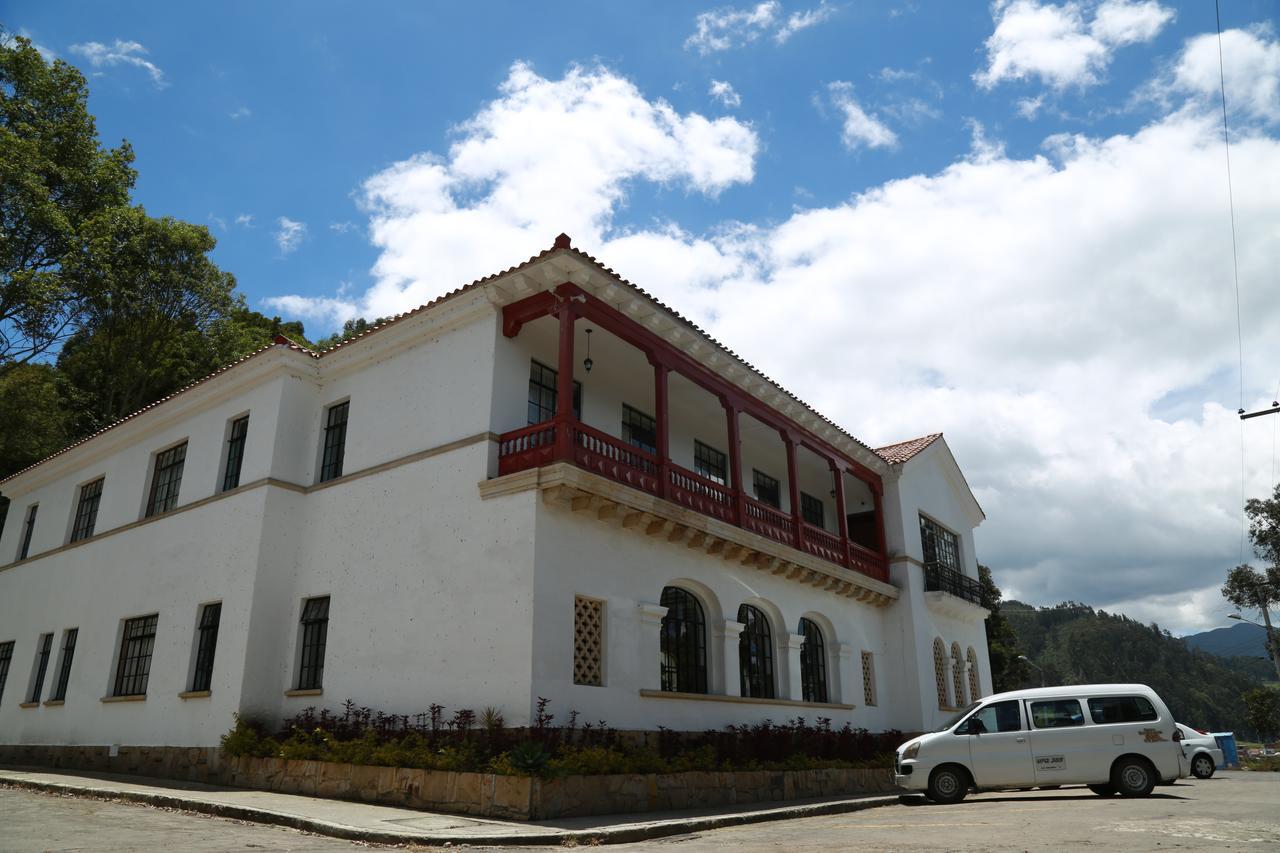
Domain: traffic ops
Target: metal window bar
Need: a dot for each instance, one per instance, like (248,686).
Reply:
(813,663)
(542,394)
(6,656)
(64,669)
(940,674)
(335,441)
(940,578)
(755,653)
(709,462)
(42,663)
(135,656)
(766,489)
(235,453)
(639,430)
(939,544)
(167,480)
(315,631)
(684,643)
(27,530)
(813,510)
(206,645)
(87,510)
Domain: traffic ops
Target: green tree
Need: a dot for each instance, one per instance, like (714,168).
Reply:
(1250,589)
(1007,671)
(34,420)
(1262,710)
(54,178)
(350,329)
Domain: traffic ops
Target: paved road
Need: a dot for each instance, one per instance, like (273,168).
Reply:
(1230,811)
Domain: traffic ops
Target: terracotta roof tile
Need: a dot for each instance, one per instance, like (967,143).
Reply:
(904,450)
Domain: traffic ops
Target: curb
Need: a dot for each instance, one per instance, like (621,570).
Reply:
(606,835)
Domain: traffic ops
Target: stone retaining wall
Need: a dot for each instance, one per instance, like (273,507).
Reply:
(480,794)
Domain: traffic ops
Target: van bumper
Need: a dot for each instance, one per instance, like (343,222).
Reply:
(906,777)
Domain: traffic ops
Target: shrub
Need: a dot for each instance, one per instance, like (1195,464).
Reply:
(246,738)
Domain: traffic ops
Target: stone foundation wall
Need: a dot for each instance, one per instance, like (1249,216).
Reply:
(479,794)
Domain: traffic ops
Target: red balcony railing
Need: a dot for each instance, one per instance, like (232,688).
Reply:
(596,451)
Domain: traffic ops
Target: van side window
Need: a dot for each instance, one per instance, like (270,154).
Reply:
(1001,717)
(1056,714)
(1122,709)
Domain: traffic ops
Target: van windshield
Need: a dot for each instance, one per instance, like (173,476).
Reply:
(958,717)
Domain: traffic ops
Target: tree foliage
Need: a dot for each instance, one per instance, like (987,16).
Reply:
(1259,591)
(1262,709)
(55,178)
(350,329)
(1007,671)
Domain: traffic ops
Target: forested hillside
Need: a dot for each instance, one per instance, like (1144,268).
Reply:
(1076,644)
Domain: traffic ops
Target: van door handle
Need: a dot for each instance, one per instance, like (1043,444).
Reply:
(1020,740)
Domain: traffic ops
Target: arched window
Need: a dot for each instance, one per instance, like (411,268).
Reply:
(684,643)
(755,653)
(940,672)
(975,689)
(813,663)
(957,674)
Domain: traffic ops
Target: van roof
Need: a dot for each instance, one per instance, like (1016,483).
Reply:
(1072,690)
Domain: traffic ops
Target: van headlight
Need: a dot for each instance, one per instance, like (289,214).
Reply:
(912,750)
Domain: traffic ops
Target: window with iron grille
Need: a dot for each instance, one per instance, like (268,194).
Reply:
(684,643)
(25,547)
(64,666)
(166,480)
(941,546)
(315,631)
(335,441)
(812,510)
(813,663)
(868,679)
(542,394)
(709,462)
(639,430)
(766,489)
(588,641)
(134,667)
(235,453)
(206,645)
(6,657)
(940,673)
(957,675)
(755,653)
(87,510)
(43,650)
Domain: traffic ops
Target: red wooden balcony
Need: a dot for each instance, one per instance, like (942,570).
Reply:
(595,451)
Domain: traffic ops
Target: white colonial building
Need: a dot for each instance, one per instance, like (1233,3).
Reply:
(430,513)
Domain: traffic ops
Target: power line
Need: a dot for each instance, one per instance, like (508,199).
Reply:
(1231,201)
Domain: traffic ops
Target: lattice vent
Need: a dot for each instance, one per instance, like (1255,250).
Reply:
(940,673)
(588,641)
(957,674)
(868,679)
(975,691)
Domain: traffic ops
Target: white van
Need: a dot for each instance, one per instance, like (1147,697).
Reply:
(1115,738)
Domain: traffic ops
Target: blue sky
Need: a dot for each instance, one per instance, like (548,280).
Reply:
(1006,221)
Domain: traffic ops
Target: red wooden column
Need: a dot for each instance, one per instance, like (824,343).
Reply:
(564,383)
(793,482)
(735,456)
(660,417)
(837,477)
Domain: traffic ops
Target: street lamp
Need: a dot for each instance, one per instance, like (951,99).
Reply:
(1028,660)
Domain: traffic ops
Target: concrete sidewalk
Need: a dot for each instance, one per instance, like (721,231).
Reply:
(388,825)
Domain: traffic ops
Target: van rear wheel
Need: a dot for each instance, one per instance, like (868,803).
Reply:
(1107,790)
(948,784)
(1133,777)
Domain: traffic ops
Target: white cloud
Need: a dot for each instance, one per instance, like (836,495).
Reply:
(120,52)
(46,53)
(723,91)
(798,21)
(245,220)
(1067,320)
(218,222)
(860,129)
(1251,66)
(1058,46)
(289,234)
(344,227)
(240,112)
(329,313)
(728,27)
(1029,108)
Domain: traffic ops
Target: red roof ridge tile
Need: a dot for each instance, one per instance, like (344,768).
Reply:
(901,451)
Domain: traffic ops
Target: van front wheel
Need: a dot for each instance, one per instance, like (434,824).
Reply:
(948,784)
(1133,777)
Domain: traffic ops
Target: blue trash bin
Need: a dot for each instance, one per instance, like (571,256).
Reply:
(1227,743)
